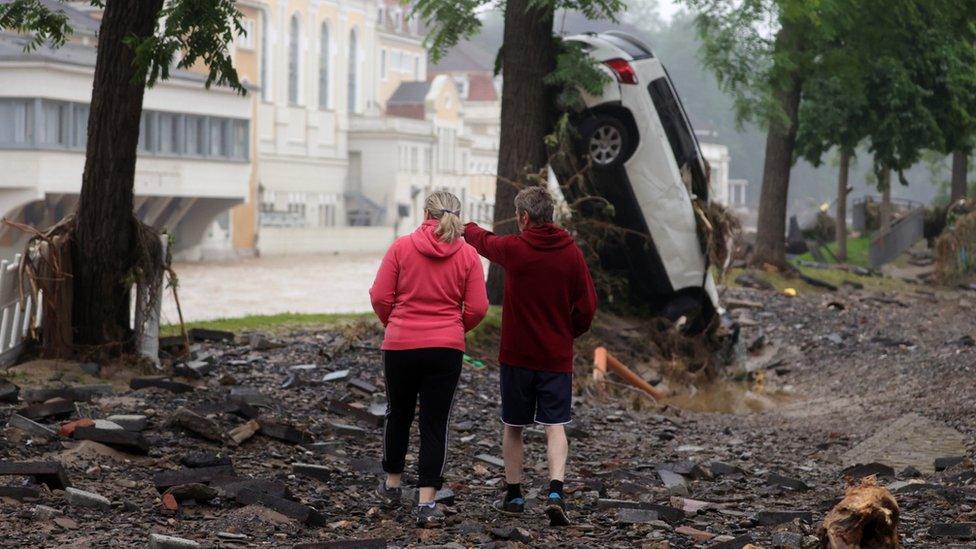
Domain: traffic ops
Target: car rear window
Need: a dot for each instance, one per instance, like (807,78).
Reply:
(629,44)
(679,133)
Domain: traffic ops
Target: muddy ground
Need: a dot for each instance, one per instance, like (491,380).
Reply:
(846,377)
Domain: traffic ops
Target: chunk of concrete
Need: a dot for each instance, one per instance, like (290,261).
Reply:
(82,498)
(30,427)
(130,422)
(160,541)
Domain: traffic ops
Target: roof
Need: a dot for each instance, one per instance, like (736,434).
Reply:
(481,87)
(12,49)
(410,93)
(80,22)
(465,56)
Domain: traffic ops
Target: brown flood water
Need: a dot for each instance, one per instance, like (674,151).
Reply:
(727,397)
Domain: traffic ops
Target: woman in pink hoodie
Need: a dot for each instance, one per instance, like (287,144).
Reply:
(429,291)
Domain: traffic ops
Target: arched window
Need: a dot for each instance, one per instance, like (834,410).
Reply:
(324,66)
(293,62)
(353,56)
(265,82)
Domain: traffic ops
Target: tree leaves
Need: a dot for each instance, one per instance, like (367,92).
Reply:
(33,18)
(576,72)
(190,32)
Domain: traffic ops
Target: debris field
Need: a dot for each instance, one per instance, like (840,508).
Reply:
(275,441)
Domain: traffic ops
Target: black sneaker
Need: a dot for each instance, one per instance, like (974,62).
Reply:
(512,507)
(389,497)
(556,510)
(429,517)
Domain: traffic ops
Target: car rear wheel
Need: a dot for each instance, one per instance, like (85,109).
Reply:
(605,140)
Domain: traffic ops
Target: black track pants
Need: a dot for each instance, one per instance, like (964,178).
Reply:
(432,375)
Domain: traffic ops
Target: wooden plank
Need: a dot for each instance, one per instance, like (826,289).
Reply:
(50,473)
(302,513)
(195,475)
(120,439)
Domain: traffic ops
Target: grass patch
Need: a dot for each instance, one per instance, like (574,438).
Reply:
(486,332)
(833,276)
(278,323)
(857,251)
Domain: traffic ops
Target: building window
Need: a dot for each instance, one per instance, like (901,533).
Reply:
(79,128)
(16,121)
(64,125)
(55,119)
(293,62)
(240,139)
(169,133)
(219,137)
(196,141)
(324,66)
(416,67)
(265,58)
(246,40)
(146,129)
(353,57)
(383,63)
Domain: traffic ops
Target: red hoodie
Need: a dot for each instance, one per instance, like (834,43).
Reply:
(428,292)
(549,296)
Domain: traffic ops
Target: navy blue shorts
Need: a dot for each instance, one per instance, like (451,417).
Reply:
(531,396)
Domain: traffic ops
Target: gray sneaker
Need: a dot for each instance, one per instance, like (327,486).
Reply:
(390,497)
(429,517)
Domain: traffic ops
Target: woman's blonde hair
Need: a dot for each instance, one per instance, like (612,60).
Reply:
(446,208)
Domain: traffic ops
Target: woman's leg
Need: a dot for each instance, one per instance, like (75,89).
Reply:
(401,398)
(442,370)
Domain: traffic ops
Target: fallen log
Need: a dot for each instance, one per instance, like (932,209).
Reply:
(866,517)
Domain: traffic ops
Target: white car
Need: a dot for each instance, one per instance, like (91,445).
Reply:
(648,164)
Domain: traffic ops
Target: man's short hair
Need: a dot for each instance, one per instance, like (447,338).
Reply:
(537,202)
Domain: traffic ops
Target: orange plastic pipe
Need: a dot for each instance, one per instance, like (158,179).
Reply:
(603,359)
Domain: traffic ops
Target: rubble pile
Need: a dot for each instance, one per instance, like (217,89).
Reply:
(262,441)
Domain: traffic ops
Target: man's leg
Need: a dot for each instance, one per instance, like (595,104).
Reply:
(554,411)
(557,451)
(512,451)
(518,407)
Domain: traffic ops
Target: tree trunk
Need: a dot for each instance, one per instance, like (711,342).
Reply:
(885,211)
(780,141)
(528,55)
(845,164)
(960,169)
(105,232)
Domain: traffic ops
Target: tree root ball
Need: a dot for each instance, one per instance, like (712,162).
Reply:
(866,518)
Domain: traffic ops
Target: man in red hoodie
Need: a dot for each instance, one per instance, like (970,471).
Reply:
(549,301)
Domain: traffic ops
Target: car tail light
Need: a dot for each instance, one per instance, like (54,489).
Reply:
(622,70)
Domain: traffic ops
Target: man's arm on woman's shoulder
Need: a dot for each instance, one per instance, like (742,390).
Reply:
(488,244)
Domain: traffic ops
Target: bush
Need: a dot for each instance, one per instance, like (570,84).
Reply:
(955,248)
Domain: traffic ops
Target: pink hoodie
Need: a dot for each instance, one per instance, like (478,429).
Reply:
(428,292)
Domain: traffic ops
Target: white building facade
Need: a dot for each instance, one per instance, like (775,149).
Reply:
(336,170)
(194,152)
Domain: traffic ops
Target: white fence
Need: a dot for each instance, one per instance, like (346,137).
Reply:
(16,316)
